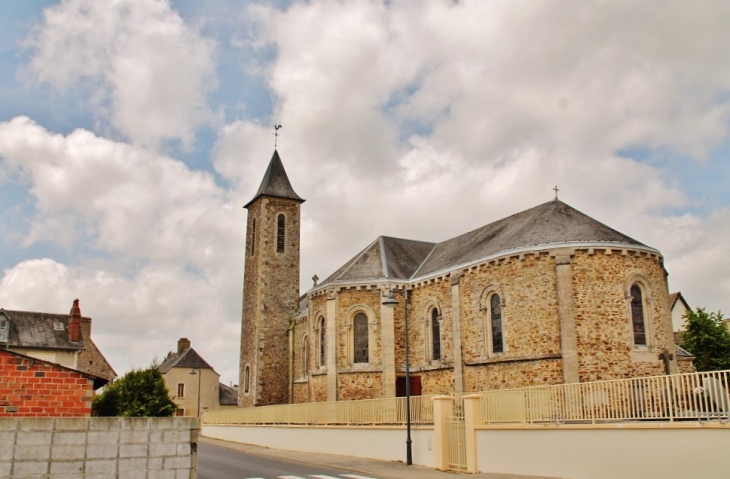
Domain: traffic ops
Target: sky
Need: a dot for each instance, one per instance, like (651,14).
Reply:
(132,132)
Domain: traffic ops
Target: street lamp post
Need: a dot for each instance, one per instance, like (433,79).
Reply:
(391,302)
(200,374)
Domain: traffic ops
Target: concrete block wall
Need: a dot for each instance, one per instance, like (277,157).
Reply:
(96,448)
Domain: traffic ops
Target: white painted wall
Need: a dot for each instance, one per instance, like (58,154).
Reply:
(687,451)
(385,443)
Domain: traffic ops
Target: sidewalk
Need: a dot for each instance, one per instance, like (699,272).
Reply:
(369,467)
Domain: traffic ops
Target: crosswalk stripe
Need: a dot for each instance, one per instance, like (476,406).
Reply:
(317,476)
(356,476)
(291,477)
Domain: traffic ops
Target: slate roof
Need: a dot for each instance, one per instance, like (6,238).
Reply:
(29,329)
(550,223)
(683,353)
(275,182)
(384,258)
(227,396)
(189,358)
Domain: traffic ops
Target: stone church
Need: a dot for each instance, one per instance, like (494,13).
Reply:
(545,296)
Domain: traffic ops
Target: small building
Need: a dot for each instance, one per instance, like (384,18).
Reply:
(679,308)
(32,387)
(63,339)
(193,383)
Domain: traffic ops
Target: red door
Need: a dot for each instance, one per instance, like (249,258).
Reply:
(400,386)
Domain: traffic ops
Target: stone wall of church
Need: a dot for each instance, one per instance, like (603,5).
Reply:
(301,392)
(318,386)
(508,375)
(422,300)
(603,316)
(349,303)
(362,385)
(527,288)
(438,381)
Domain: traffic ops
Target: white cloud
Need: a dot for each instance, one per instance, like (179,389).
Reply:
(136,318)
(126,200)
(426,120)
(143,66)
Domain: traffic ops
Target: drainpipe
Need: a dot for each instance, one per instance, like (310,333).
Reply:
(290,333)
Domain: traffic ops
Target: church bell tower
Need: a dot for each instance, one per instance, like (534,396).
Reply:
(270,288)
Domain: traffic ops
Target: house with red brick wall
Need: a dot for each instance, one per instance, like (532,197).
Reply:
(32,387)
(64,339)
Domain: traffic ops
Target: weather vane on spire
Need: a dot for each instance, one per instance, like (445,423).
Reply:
(556,191)
(276,135)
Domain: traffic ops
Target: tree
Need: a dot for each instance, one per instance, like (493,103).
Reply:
(708,339)
(139,393)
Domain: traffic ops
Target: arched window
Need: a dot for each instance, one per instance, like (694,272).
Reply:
(435,334)
(253,237)
(280,233)
(495,322)
(322,341)
(305,356)
(246,379)
(360,341)
(637,315)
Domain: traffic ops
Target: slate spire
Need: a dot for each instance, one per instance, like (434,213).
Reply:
(275,183)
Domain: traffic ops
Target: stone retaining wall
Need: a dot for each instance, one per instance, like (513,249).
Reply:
(96,448)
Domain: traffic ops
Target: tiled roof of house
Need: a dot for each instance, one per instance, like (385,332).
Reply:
(188,358)
(674,297)
(551,223)
(30,329)
(227,396)
(275,182)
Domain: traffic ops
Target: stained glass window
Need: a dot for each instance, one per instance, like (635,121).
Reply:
(496,322)
(637,315)
(360,339)
(322,342)
(435,334)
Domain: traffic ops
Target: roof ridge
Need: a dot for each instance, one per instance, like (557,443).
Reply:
(383,257)
(357,257)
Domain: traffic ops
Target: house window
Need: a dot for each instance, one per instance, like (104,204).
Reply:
(181,390)
(435,334)
(360,341)
(253,237)
(246,379)
(495,323)
(280,233)
(180,412)
(4,327)
(322,341)
(637,316)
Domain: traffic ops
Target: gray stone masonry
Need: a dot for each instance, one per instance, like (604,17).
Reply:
(99,447)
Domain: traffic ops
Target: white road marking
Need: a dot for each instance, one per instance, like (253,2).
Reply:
(318,476)
(356,476)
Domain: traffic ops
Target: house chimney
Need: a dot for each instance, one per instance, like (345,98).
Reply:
(182,345)
(74,323)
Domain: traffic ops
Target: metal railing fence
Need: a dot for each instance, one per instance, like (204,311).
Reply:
(676,397)
(367,412)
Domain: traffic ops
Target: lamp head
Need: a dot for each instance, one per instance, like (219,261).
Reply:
(390,301)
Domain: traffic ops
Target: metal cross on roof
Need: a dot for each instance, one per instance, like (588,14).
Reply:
(315,278)
(276,134)
(556,191)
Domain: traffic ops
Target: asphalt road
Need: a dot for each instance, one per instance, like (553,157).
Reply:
(219,463)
